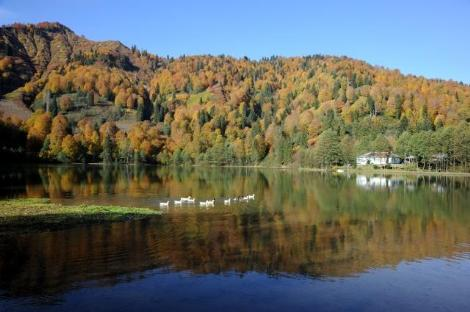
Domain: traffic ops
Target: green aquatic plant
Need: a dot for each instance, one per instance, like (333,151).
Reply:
(32,212)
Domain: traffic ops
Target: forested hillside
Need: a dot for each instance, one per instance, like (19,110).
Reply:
(101,101)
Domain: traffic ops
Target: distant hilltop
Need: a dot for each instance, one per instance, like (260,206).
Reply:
(35,50)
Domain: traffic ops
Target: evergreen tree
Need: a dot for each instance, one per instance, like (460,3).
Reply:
(159,109)
(166,129)
(347,149)
(140,112)
(147,110)
(398,106)
(107,154)
(90,99)
(44,152)
(203,117)
(221,123)
(329,119)
(328,149)
(403,125)
(156,112)
(53,107)
(371,106)
(282,149)
(424,122)
(244,115)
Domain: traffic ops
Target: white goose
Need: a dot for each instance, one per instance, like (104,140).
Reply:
(227,201)
(191,200)
(178,202)
(165,204)
(252,196)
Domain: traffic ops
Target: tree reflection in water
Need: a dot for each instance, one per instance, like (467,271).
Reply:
(300,223)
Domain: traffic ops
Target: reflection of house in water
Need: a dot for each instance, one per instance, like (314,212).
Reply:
(410,186)
(373,182)
(439,188)
(393,182)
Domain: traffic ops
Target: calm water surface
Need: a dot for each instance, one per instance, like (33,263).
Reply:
(307,242)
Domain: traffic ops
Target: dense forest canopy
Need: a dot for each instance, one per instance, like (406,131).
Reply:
(101,101)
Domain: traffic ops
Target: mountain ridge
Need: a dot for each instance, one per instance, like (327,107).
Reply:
(21,39)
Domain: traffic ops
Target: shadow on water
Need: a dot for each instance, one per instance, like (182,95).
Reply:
(300,224)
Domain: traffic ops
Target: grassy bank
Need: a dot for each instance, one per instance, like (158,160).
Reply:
(39,212)
(359,170)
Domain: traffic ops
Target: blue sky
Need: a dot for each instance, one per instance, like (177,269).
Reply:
(429,38)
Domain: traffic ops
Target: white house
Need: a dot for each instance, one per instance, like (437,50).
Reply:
(378,158)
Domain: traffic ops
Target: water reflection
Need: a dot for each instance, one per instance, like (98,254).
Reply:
(304,224)
(391,182)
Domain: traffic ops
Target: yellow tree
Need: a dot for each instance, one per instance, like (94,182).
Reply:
(65,103)
(70,147)
(58,132)
(38,126)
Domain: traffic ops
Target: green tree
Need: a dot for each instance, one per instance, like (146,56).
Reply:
(403,125)
(424,122)
(90,99)
(461,144)
(423,147)
(371,106)
(328,149)
(44,152)
(53,107)
(398,106)
(347,149)
(404,147)
(381,144)
(159,109)
(108,150)
(140,112)
(282,148)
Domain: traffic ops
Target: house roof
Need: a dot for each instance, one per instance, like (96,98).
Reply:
(379,155)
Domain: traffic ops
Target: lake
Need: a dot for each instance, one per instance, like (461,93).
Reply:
(307,241)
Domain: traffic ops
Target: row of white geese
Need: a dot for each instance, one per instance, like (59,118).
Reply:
(207,203)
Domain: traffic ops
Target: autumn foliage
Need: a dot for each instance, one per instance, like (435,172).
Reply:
(223,110)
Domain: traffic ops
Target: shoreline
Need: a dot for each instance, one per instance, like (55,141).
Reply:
(324,170)
(356,170)
(404,172)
